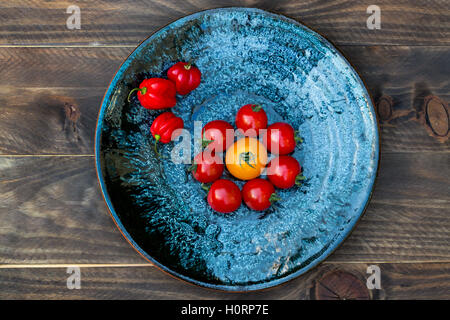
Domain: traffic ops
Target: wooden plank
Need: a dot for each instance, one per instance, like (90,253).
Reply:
(33,92)
(60,67)
(409,212)
(51,211)
(118,22)
(381,67)
(398,281)
(33,121)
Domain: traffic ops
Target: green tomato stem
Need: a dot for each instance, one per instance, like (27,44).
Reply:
(247,157)
(141,90)
(299,179)
(206,142)
(155,146)
(192,168)
(206,186)
(274,198)
(297,138)
(256,107)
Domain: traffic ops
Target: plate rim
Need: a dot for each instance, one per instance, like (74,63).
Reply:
(221,287)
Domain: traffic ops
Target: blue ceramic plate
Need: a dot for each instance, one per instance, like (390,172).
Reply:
(245,56)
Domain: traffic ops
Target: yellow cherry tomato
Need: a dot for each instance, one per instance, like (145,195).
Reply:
(246,158)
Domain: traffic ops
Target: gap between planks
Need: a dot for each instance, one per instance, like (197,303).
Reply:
(45,155)
(66,265)
(132,46)
(94,45)
(81,265)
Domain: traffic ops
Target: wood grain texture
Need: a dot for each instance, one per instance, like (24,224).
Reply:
(51,211)
(121,22)
(33,121)
(408,217)
(60,67)
(408,75)
(36,82)
(382,67)
(398,281)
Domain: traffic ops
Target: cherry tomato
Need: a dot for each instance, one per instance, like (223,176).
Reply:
(246,158)
(284,172)
(224,196)
(259,194)
(280,138)
(156,93)
(214,135)
(164,126)
(251,117)
(207,167)
(185,76)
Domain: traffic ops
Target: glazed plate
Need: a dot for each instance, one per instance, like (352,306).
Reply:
(245,56)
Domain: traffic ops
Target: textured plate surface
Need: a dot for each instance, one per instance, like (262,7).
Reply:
(246,56)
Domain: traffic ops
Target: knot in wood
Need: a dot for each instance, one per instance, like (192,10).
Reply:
(385,108)
(340,285)
(72,112)
(435,117)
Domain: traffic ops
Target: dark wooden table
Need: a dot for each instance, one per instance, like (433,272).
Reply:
(52,214)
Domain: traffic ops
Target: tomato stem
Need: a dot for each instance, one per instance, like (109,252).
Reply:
(155,146)
(256,107)
(299,179)
(247,157)
(206,142)
(206,186)
(188,66)
(274,198)
(297,138)
(192,168)
(141,90)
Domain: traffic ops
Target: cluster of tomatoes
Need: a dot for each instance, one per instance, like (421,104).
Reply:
(245,159)
(159,93)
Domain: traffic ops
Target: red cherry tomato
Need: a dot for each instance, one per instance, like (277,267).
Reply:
(259,194)
(224,196)
(281,138)
(185,76)
(156,93)
(214,135)
(251,117)
(284,172)
(207,167)
(164,126)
